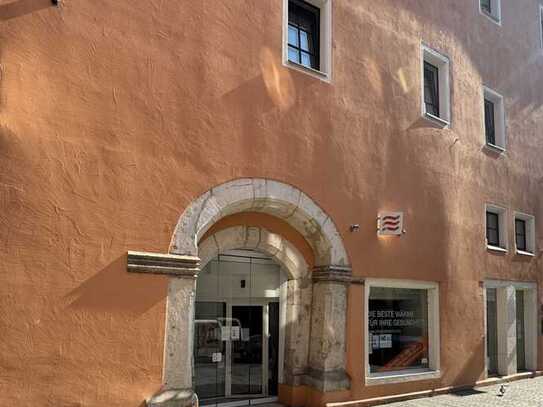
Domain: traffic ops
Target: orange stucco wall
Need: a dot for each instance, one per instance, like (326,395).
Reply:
(115,115)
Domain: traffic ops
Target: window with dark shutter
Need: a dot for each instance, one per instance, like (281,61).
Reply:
(431,89)
(492,229)
(490,127)
(520,234)
(303,34)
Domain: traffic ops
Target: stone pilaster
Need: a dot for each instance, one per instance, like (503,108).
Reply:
(177,386)
(327,348)
(507,329)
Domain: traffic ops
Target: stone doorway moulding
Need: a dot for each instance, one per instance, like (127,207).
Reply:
(315,347)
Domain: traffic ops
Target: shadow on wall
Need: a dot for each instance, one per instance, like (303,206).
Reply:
(22,7)
(114,289)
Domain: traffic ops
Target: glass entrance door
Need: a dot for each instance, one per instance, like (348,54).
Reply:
(246,353)
(491,331)
(236,335)
(209,349)
(521,349)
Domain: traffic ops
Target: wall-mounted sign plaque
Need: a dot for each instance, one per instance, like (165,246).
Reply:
(390,224)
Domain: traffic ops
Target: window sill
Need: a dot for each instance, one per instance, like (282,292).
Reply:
(310,71)
(494,148)
(402,376)
(436,120)
(495,20)
(523,253)
(496,249)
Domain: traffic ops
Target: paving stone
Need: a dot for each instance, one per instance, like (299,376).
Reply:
(522,393)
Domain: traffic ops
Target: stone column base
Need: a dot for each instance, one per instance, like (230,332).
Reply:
(324,381)
(173,398)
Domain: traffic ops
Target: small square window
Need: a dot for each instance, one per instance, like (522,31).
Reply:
(307,45)
(435,87)
(496,234)
(494,119)
(524,234)
(491,9)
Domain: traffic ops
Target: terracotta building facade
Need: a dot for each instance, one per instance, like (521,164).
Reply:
(240,202)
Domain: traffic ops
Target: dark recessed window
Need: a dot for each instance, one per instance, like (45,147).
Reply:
(303,34)
(431,88)
(520,234)
(492,229)
(490,127)
(486,6)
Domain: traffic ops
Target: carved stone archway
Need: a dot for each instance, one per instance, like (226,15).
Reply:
(325,286)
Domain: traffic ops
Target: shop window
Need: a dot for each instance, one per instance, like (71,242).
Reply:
(494,119)
(435,87)
(307,37)
(524,234)
(496,235)
(402,331)
(491,9)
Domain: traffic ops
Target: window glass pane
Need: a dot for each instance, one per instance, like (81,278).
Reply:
(431,92)
(493,237)
(486,5)
(398,329)
(520,234)
(492,229)
(521,242)
(491,220)
(304,41)
(520,226)
(306,59)
(303,34)
(293,55)
(490,130)
(292,36)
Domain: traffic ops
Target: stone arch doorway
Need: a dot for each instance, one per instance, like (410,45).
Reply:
(315,349)
(295,296)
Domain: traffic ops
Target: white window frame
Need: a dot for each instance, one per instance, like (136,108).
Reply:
(325,41)
(442,63)
(540,23)
(496,15)
(531,324)
(499,119)
(502,224)
(401,376)
(530,233)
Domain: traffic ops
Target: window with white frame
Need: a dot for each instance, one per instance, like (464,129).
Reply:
(524,233)
(541,26)
(402,335)
(307,36)
(435,86)
(491,9)
(496,231)
(494,119)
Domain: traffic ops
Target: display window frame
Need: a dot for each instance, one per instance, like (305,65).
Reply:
(410,374)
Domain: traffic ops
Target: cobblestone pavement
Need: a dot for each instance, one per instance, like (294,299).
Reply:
(522,393)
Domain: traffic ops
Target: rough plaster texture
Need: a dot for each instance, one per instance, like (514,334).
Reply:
(116,115)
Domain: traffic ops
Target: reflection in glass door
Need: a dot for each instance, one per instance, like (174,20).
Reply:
(236,335)
(209,349)
(521,349)
(491,331)
(247,350)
